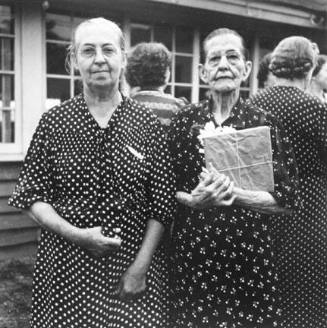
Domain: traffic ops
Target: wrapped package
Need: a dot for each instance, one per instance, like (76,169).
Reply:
(243,155)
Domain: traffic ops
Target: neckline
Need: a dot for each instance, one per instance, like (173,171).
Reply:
(112,118)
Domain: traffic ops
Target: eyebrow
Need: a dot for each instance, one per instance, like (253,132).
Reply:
(92,44)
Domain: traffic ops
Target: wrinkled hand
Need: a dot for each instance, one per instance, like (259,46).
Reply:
(132,284)
(214,189)
(96,243)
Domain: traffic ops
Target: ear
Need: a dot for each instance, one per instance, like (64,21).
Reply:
(247,71)
(203,74)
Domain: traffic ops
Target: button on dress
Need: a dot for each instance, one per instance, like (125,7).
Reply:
(302,238)
(222,271)
(117,177)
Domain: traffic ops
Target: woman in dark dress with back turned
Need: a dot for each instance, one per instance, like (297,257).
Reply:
(301,239)
(147,73)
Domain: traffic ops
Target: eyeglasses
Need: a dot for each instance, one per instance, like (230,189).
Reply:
(233,57)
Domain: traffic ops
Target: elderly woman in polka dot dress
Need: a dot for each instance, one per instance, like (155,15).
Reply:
(98,179)
(222,261)
(301,239)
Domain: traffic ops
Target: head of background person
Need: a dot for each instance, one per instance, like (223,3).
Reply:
(148,66)
(319,75)
(226,63)
(98,53)
(293,61)
(265,76)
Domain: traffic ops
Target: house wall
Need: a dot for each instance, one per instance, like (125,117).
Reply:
(18,233)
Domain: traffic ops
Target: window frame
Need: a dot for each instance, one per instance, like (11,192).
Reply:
(13,151)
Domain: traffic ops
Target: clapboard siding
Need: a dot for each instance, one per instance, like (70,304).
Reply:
(16,221)
(7,187)
(18,251)
(18,232)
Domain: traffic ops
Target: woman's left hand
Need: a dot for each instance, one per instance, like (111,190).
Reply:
(132,284)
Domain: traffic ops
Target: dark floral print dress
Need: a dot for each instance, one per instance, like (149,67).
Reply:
(302,238)
(222,268)
(117,177)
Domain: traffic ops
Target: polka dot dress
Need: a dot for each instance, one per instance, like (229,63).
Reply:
(117,177)
(302,238)
(222,272)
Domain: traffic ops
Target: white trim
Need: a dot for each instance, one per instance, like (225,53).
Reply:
(195,66)
(127,32)
(255,64)
(14,157)
(58,41)
(16,146)
(172,82)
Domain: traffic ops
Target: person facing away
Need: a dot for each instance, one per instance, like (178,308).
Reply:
(318,84)
(147,73)
(97,178)
(265,76)
(301,238)
(222,264)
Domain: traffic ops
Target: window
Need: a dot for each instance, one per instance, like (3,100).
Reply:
(179,40)
(61,84)
(8,115)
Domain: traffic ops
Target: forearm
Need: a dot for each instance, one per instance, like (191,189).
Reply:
(48,218)
(151,240)
(260,201)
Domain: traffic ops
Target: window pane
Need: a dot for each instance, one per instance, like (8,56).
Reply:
(56,55)
(78,87)
(164,34)
(184,40)
(183,92)
(7,22)
(183,69)
(140,34)
(7,106)
(58,90)
(168,89)
(59,27)
(6,54)
(203,94)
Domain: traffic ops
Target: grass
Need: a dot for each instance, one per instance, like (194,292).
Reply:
(15,292)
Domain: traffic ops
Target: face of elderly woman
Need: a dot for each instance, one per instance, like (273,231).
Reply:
(98,56)
(225,67)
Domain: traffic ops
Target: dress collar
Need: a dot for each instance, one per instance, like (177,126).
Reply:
(234,118)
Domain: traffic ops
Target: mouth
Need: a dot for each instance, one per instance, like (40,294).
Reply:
(95,72)
(223,77)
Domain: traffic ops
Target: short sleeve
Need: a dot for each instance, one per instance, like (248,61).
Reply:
(285,168)
(35,183)
(161,187)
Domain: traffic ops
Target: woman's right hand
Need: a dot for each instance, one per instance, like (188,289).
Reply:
(96,243)
(213,190)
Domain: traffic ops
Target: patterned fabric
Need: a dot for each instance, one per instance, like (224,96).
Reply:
(119,176)
(222,261)
(163,105)
(302,238)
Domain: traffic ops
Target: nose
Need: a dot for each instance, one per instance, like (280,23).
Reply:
(99,58)
(223,63)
